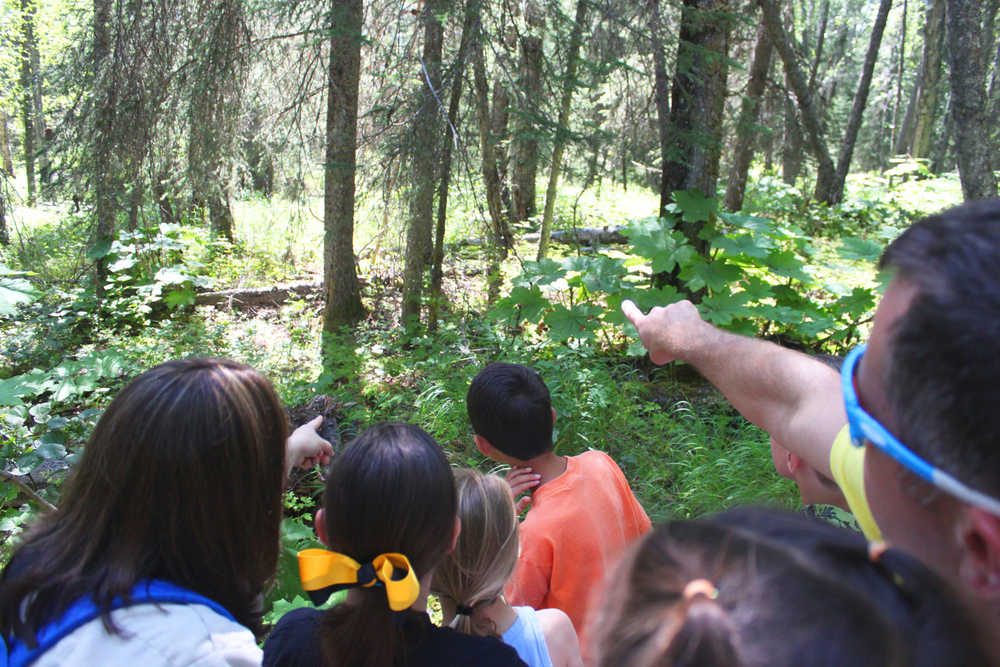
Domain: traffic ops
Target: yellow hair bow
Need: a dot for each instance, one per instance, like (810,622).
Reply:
(324,572)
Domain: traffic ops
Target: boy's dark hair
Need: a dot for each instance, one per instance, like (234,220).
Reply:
(181,480)
(391,491)
(509,405)
(943,369)
(789,590)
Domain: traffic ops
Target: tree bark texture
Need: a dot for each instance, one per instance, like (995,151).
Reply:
(697,101)
(930,76)
(472,14)
(661,83)
(106,93)
(826,170)
(343,294)
(836,192)
(562,125)
(6,163)
(525,137)
(749,113)
(215,106)
(968,60)
(423,161)
(29,48)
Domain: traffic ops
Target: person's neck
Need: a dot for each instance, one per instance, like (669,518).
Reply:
(549,465)
(985,617)
(500,612)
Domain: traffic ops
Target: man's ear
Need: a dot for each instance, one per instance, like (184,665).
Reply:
(979,541)
(484,446)
(553,415)
(320,524)
(455,533)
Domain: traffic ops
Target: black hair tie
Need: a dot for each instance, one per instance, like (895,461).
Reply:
(464,610)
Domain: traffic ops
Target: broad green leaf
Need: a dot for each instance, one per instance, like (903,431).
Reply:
(577,322)
(750,222)
(171,275)
(856,304)
(715,275)
(810,329)
(12,390)
(720,309)
(786,263)
(743,244)
(540,273)
(856,249)
(100,249)
(40,412)
(598,274)
(123,264)
(14,291)
(179,297)
(530,301)
(695,206)
(756,289)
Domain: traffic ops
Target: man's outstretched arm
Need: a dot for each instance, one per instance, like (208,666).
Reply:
(788,394)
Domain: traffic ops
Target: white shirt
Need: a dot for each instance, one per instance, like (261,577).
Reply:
(158,634)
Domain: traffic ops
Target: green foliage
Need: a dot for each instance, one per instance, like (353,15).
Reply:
(759,275)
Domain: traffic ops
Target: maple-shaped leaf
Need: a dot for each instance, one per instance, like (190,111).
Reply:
(694,206)
(743,244)
(580,322)
(854,249)
(786,263)
(720,309)
(715,275)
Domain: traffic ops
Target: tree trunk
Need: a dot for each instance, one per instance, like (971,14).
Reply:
(562,125)
(425,132)
(4,236)
(697,100)
(930,75)
(213,111)
(749,113)
(524,138)
(105,193)
(826,170)
(897,122)
(6,163)
(836,191)
(28,47)
(662,96)
(968,60)
(343,294)
(499,230)
(792,156)
(472,14)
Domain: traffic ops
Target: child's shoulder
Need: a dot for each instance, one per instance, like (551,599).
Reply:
(595,462)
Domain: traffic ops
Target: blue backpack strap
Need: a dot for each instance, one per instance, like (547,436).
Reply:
(84,610)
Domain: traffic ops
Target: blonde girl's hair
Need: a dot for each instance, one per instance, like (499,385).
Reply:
(474,574)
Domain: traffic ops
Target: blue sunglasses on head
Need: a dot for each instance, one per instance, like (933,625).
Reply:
(865,428)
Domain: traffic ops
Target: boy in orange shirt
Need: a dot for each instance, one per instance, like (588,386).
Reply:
(583,513)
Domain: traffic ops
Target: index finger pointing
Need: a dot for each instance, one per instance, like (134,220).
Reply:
(632,311)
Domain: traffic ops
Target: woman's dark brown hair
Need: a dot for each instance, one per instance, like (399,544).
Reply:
(181,480)
(788,590)
(391,491)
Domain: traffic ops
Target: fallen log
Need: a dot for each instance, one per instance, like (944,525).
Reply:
(588,237)
(256,296)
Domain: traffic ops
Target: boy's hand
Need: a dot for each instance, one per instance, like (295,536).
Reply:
(305,448)
(670,332)
(521,480)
